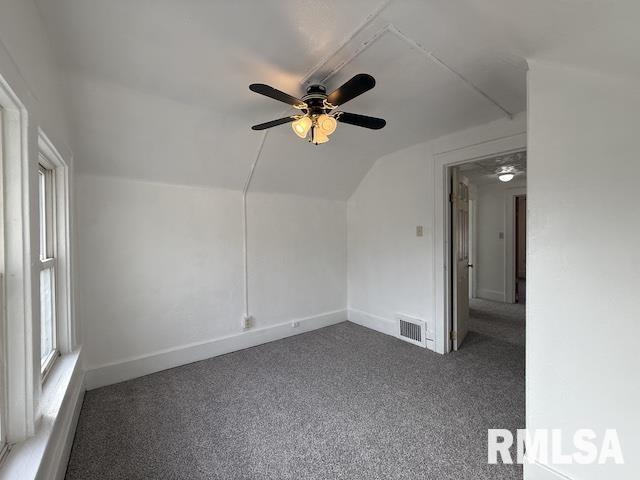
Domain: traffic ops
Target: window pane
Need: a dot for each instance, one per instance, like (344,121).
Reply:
(47,331)
(41,203)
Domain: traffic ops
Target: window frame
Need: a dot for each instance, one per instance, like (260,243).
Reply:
(57,241)
(48,253)
(4,444)
(20,387)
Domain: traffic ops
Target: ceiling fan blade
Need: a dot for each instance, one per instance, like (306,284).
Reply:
(273,123)
(271,92)
(351,89)
(361,120)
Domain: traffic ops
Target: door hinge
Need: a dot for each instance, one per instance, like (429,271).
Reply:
(454,335)
(452,198)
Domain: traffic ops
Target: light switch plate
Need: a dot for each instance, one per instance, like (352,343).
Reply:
(419,231)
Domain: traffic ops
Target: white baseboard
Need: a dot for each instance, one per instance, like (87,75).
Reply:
(379,324)
(155,362)
(493,295)
(538,471)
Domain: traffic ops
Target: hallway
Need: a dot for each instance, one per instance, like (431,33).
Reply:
(502,321)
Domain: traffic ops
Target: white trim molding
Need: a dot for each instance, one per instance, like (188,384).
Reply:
(18,312)
(374,322)
(128,369)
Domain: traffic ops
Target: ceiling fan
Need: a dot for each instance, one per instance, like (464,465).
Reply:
(318,117)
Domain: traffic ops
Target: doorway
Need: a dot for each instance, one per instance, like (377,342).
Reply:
(487,248)
(521,249)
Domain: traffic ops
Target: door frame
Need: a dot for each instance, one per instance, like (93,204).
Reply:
(442,224)
(473,243)
(510,242)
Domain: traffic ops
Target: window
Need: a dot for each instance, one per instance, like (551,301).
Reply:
(3,396)
(47,220)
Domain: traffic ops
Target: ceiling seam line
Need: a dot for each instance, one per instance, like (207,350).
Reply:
(365,45)
(435,59)
(368,20)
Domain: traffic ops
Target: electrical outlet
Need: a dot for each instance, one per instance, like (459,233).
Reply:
(419,231)
(247,322)
(295,324)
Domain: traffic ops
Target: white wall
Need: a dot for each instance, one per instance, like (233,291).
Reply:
(583,260)
(391,270)
(389,266)
(28,64)
(161,266)
(491,260)
(297,257)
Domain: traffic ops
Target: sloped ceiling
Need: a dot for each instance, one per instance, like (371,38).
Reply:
(158,89)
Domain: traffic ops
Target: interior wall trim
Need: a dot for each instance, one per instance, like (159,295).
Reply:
(128,369)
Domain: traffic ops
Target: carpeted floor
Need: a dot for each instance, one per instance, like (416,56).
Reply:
(502,321)
(342,402)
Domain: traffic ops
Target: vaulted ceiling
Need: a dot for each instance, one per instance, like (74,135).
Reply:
(158,89)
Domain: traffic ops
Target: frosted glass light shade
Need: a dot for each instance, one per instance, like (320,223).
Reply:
(327,124)
(506,177)
(319,137)
(301,126)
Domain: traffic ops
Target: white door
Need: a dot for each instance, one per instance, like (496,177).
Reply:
(460,256)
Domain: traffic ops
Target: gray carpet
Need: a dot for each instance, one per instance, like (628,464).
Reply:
(342,402)
(502,321)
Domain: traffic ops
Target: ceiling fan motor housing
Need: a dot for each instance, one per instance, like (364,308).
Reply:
(315,97)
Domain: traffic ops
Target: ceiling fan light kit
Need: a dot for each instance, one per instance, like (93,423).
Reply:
(506,177)
(319,117)
(302,126)
(506,173)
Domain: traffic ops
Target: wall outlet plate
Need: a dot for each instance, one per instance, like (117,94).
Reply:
(247,322)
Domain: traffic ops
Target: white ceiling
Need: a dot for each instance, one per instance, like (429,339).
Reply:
(484,172)
(158,89)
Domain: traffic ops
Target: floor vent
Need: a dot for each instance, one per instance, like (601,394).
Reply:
(412,330)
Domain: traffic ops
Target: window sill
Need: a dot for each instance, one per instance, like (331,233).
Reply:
(45,454)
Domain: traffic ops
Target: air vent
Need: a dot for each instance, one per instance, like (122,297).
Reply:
(412,330)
